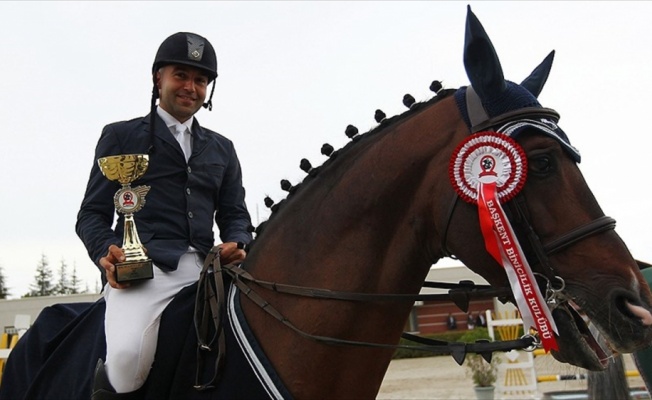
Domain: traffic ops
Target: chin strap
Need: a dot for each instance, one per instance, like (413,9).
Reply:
(209,103)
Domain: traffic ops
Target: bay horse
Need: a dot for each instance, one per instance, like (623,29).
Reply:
(372,220)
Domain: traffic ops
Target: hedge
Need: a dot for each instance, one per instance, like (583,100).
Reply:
(466,336)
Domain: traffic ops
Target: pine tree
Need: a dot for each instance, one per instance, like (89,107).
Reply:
(42,285)
(74,281)
(62,287)
(4,291)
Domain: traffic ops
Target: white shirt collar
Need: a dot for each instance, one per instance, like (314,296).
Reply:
(171,122)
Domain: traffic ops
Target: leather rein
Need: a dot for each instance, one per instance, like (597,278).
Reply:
(209,307)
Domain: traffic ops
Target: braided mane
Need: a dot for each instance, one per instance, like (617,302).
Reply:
(356,139)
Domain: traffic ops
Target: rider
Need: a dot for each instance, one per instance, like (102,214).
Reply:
(195,180)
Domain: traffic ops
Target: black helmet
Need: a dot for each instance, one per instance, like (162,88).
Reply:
(187,49)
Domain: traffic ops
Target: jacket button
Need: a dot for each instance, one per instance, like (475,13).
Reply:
(189,170)
(187,190)
(190,214)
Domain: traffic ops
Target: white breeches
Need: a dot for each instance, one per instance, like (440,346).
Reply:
(132,320)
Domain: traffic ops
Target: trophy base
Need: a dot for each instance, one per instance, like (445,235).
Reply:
(133,271)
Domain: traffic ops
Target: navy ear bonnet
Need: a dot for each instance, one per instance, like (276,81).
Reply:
(512,98)
(487,103)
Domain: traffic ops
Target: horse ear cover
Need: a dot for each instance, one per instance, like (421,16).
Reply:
(497,95)
(534,83)
(485,73)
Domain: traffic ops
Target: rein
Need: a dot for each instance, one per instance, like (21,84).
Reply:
(209,300)
(209,303)
(461,293)
(464,290)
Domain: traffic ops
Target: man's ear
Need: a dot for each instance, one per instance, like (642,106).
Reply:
(157,79)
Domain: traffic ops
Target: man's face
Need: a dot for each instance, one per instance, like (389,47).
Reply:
(182,90)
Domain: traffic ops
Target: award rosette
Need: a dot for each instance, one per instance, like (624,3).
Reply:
(488,169)
(125,169)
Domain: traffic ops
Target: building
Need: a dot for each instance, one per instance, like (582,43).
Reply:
(32,306)
(432,317)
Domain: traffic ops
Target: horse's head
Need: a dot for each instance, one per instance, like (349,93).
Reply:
(560,226)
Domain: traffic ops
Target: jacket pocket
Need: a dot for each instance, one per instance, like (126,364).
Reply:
(212,176)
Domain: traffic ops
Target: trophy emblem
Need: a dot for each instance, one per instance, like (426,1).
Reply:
(125,169)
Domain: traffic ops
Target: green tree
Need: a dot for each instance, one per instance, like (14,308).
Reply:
(75,282)
(62,286)
(4,290)
(42,285)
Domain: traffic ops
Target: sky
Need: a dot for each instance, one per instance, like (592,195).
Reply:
(292,76)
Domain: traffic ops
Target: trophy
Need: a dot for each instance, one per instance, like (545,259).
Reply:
(126,169)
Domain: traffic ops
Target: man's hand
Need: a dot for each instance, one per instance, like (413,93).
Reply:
(231,253)
(115,255)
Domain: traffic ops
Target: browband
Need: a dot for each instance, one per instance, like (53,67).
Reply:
(522,113)
(480,120)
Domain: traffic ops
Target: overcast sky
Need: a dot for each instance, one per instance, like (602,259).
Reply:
(292,76)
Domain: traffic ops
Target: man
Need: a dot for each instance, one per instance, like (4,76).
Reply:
(195,180)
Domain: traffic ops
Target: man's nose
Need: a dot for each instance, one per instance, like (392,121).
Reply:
(189,85)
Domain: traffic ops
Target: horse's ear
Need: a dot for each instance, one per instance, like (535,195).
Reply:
(480,59)
(534,83)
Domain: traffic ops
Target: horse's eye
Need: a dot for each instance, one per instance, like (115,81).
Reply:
(541,164)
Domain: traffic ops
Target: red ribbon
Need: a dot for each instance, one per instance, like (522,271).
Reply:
(503,246)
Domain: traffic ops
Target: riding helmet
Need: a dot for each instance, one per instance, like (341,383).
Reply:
(187,49)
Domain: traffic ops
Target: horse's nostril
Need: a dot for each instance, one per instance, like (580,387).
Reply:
(634,311)
(639,312)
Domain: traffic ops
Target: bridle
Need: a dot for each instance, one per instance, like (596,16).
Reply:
(519,215)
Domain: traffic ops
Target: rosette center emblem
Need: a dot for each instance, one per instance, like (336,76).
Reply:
(488,158)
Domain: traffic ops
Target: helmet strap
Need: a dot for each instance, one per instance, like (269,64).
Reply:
(152,117)
(209,103)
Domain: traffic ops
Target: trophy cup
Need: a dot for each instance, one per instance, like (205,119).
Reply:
(126,169)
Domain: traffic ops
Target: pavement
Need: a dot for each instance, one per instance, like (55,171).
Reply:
(440,377)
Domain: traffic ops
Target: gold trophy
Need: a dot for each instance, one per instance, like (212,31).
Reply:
(126,169)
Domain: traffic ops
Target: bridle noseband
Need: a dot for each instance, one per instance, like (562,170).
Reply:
(541,251)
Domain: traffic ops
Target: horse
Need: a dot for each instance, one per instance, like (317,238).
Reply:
(372,220)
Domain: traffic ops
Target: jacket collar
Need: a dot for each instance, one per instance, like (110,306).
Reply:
(161,131)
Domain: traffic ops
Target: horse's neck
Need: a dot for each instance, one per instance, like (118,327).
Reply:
(366,223)
(367,212)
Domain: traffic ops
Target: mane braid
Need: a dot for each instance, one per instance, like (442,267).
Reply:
(382,126)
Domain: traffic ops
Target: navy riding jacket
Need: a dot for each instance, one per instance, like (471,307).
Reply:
(184,201)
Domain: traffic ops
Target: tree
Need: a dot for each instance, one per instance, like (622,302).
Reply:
(74,281)
(67,285)
(62,287)
(42,285)
(4,291)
